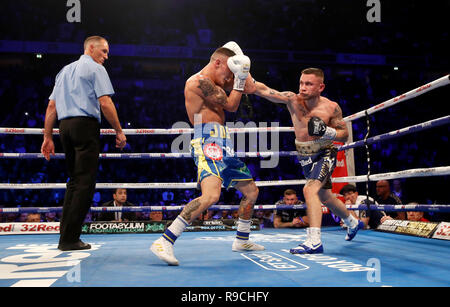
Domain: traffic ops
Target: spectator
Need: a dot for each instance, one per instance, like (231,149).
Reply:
(290,218)
(156,215)
(187,197)
(11,217)
(397,189)
(33,218)
(226,215)
(417,216)
(370,218)
(23,217)
(167,196)
(385,197)
(264,218)
(119,200)
(234,214)
(51,217)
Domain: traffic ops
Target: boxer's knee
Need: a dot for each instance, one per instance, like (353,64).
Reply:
(311,189)
(252,194)
(210,198)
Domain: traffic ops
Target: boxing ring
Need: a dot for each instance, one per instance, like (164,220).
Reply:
(373,258)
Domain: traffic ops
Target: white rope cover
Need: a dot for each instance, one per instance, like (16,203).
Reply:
(445,80)
(418,172)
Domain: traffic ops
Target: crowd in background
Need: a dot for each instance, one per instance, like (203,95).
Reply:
(149,92)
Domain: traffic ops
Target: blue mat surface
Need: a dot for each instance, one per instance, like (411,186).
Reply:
(372,259)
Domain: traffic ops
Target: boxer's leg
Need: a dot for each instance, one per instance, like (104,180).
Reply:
(249,192)
(163,247)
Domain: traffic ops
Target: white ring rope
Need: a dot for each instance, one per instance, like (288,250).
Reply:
(383,207)
(418,172)
(403,97)
(148,131)
(263,154)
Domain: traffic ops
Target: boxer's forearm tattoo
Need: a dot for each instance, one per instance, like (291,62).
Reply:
(189,209)
(245,208)
(288,95)
(209,89)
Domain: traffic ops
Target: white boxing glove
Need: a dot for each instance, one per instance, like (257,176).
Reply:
(233,46)
(240,67)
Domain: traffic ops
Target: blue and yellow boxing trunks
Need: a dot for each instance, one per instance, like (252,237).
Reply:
(212,149)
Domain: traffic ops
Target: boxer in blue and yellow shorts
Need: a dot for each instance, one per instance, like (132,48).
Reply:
(206,102)
(212,149)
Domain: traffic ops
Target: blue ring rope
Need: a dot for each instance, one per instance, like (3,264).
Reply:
(382,137)
(380,207)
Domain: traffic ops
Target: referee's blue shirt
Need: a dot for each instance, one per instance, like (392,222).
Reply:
(78,87)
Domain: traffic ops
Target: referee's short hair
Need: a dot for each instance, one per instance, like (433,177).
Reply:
(92,39)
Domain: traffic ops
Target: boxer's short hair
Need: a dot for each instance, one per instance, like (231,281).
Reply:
(223,51)
(314,71)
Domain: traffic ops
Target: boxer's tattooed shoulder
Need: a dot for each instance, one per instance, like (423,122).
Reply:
(337,112)
(211,91)
(206,86)
(337,121)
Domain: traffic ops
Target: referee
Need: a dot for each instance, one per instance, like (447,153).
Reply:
(81,90)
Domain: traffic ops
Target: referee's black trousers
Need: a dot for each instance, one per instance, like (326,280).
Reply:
(80,138)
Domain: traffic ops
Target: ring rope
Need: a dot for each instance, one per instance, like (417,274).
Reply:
(145,131)
(400,132)
(148,131)
(366,146)
(381,207)
(386,136)
(403,97)
(418,172)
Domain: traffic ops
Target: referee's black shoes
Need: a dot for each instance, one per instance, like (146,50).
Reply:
(80,245)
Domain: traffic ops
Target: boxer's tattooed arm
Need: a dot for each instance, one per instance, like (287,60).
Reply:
(283,96)
(212,92)
(339,124)
(189,209)
(245,209)
(336,121)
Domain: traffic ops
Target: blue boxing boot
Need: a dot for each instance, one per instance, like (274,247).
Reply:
(312,245)
(353,227)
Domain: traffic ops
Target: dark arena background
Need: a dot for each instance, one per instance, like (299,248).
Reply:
(371,52)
